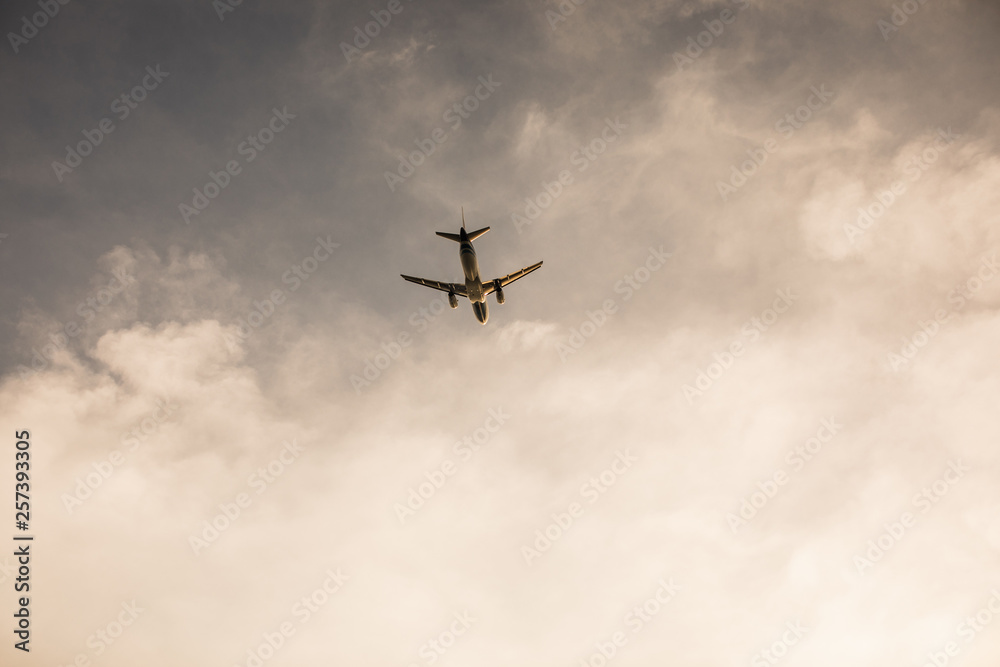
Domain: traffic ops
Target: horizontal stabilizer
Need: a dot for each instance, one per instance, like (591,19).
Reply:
(469,236)
(476,234)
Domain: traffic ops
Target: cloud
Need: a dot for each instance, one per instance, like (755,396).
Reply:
(187,380)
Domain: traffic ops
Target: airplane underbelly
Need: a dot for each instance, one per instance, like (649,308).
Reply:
(470,266)
(474,290)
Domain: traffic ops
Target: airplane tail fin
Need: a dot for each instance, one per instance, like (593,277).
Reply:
(472,236)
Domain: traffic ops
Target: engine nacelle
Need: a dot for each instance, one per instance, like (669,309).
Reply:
(499,292)
(452,300)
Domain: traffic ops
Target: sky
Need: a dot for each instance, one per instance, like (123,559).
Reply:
(744,414)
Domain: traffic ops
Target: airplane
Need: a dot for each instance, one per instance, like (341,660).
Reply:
(474,289)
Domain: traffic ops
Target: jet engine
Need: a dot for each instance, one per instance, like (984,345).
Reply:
(499,292)
(452,300)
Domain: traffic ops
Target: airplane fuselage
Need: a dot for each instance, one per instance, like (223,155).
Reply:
(473,288)
(473,283)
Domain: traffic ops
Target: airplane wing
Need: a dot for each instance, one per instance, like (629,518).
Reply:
(434,284)
(490,287)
